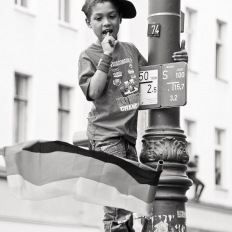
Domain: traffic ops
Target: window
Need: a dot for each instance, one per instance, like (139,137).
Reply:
(191,43)
(219,134)
(27,7)
(220,50)
(63,113)
(20,107)
(64,10)
(191,138)
(23,3)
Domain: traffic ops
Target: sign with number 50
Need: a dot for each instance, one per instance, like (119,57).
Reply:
(149,93)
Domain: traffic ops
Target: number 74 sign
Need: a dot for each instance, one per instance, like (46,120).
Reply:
(163,86)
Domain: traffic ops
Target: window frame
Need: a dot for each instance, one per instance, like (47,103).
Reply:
(190,132)
(64,11)
(20,131)
(63,110)
(219,151)
(220,50)
(22,3)
(29,8)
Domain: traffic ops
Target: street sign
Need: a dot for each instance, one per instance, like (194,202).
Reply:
(163,86)
(153,30)
(148,78)
(173,84)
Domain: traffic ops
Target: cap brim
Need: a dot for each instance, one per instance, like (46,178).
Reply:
(127,8)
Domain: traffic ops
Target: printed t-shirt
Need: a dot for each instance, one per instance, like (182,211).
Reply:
(115,112)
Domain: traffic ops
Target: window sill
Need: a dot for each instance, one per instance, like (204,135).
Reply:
(221,189)
(24,10)
(67,26)
(222,80)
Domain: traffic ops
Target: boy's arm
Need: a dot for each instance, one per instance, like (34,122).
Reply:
(91,81)
(98,80)
(97,84)
(181,55)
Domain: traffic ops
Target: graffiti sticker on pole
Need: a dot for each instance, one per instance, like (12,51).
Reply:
(148,78)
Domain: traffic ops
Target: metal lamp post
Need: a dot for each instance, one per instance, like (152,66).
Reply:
(164,139)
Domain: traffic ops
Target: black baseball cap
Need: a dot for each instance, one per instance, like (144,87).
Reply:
(126,8)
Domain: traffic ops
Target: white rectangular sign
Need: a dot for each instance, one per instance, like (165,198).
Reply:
(148,78)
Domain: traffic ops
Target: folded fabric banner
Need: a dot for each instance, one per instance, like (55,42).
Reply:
(38,170)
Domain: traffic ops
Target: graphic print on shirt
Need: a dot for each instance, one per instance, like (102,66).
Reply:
(129,87)
(117,76)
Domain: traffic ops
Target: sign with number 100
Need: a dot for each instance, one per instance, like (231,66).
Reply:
(173,82)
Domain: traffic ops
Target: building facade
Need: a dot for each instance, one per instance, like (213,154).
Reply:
(40,99)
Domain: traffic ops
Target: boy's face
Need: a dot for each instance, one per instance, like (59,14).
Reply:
(104,18)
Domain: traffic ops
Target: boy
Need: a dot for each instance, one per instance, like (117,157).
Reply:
(108,76)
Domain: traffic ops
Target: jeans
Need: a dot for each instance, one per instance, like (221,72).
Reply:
(117,219)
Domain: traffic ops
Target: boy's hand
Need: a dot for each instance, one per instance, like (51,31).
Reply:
(108,44)
(181,55)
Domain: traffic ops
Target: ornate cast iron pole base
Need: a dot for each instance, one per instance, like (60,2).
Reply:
(168,144)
